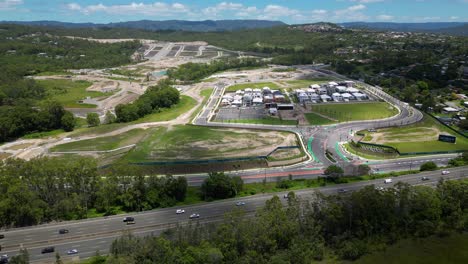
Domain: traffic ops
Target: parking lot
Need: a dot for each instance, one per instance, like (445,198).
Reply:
(241,113)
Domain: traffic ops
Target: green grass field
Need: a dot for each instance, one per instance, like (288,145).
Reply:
(186,103)
(104,143)
(263,121)
(355,112)
(69,92)
(410,141)
(196,143)
(315,119)
(252,85)
(432,250)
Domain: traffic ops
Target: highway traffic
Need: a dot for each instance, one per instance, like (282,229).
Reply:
(91,235)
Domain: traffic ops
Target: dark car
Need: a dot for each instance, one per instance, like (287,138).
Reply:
(4,259)
(47,250)
(128,219)
(63,231)
(342,191)
(424,178)
(2,236)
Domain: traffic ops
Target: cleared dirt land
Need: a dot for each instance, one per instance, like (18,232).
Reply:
(199,143)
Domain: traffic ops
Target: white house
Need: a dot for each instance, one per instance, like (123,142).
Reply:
(228,97)
(309,91)
(248,90)
(341,89)
(224,102)
(302,97)
(238,98)
(333,84)
(299,91)
(240,92)
(325,97)
(337,97)
(449,110)
(349,83)
(322,90)
(268,98)
(256,90)
(360,96)
(314,97)
(347,96)
(314,86)
(352,90)
(237,103)
(257,101)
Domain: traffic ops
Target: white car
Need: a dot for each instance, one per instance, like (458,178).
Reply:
(192,216)
(388,181)
(240,203)
(180,211)
(72,252)
(445,172)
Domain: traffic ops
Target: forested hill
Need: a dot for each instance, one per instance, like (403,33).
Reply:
(198,26)
(452,28)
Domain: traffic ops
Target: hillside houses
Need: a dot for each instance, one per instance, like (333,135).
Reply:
(253,97)
(332,91)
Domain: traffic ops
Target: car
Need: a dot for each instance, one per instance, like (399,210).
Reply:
(72,252)
(63,231)
(285,196)
(342,191)
(379,188)
(2,236)
(3,259)
(445,172)
(192,216)
(48,250)
(240,203)
(424,178)
(128,219)
(388,181)
(180,211)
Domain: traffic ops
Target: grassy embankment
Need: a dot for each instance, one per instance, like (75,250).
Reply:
(315,119)
(355,112)
(104,143)
(264,121)
(419,137)
(69,92)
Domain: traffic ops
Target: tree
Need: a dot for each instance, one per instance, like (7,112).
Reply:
(21,258)
(428,166)
(218,186)
(109,118)
(363,169)
(93,119)
(68,121)
(333,172)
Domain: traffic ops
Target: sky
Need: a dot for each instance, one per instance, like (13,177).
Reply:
(288,11)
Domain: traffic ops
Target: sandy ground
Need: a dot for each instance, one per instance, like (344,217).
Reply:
(245,144)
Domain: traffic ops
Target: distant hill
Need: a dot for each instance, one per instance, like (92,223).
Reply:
(455,28)
(201,26)
(318,27)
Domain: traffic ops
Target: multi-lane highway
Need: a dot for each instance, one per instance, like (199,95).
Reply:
(89,236)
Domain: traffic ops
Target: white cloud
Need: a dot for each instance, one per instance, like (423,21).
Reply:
(367,1)
(156,8)
(385,17)
(454,18)
(10,4)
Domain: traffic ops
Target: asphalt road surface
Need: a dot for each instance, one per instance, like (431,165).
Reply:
(89,236)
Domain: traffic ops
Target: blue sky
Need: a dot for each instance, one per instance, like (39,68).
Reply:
(289,11)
